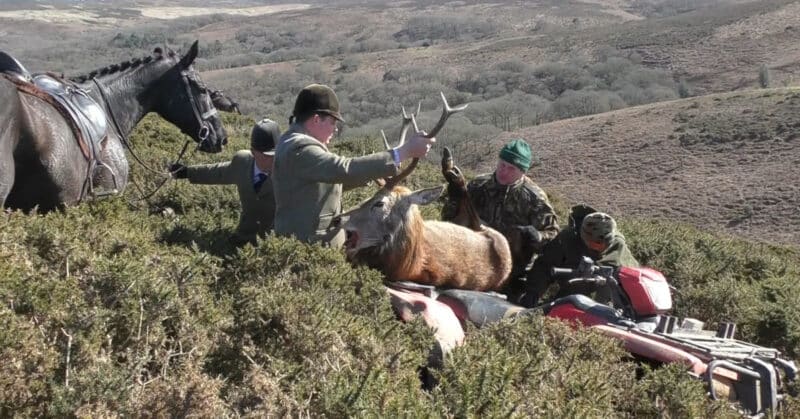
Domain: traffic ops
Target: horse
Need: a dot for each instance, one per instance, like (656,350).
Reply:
(46,161)
(224,102)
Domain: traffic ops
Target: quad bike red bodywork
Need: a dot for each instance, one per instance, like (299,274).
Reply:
(748,374)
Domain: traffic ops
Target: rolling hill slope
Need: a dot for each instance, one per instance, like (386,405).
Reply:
(726,161)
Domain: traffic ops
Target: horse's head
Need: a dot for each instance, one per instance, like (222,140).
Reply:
(187,103)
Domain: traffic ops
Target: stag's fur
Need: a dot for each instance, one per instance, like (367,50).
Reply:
(388,233)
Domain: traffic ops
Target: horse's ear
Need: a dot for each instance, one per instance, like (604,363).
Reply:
(188,59)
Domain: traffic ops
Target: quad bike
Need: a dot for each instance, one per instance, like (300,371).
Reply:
(754,376)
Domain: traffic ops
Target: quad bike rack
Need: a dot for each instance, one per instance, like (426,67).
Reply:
(752,374)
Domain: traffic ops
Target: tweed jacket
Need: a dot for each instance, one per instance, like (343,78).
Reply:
(258,207)
(308,181)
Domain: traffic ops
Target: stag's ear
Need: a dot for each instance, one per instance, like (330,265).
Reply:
(188,59)
(426,196)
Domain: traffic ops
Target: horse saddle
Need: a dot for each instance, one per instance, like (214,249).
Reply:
(11,66)
(89,116)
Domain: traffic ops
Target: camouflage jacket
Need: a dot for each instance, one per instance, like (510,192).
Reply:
(504,207)
(566,251)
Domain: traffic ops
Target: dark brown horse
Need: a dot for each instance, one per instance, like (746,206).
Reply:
(43,158)
(224,102)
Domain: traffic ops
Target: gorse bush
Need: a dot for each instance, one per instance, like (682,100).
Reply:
(118,307)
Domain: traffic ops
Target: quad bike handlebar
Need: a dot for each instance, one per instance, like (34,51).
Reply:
(595,280)
(586,269)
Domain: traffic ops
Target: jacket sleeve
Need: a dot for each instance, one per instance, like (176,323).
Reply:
(543,218)
(617,254)
(212,174)
(537,282)
(319,165)
(539,277)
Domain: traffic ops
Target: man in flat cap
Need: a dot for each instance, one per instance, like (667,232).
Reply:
(590,233)
(309,179)
(250,171)
(510,202)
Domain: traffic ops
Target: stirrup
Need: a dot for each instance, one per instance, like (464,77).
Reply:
(99,166)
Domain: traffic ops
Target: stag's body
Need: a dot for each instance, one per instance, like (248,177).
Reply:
(407,248)
(388,233)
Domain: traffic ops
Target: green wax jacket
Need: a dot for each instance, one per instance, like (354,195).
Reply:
(258,207)
(308,181)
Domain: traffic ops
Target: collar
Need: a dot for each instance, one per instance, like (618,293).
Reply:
(257,171)
(299,129)
(496,185)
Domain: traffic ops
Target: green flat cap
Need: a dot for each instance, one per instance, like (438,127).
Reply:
(518,153)
(317,98)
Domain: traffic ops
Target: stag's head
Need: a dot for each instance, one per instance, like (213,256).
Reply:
(392,215)
(386,218)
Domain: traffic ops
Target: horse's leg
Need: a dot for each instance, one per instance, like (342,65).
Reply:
(50,168)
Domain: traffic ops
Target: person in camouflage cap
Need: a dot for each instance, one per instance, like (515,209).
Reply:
(590,233)
(510,202)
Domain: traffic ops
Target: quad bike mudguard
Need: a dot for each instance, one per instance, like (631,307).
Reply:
(447,329)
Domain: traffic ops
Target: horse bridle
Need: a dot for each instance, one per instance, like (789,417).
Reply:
(202,118)
(202,135)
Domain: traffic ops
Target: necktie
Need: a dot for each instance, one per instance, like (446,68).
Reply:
(261,178)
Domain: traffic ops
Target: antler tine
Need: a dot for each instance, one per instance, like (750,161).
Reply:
(404,129)
(385,141)
(408,120)
(447,111)
(415,115)
(393,181)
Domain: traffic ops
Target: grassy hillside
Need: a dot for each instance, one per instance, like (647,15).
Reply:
(120,307)
(720,161)
(141,307)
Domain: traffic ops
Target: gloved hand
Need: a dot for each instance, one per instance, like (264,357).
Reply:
(529,233)
(452,174)
(178,171)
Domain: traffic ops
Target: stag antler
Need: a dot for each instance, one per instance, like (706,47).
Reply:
(407,120)
(447,111)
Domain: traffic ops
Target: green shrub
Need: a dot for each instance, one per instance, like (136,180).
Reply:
(117,307)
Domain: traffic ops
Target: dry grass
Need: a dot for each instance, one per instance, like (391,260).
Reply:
(723,161)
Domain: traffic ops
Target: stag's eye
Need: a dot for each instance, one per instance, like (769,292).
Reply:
(378,204)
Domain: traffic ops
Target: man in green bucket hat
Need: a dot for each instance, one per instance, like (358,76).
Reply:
(510,202)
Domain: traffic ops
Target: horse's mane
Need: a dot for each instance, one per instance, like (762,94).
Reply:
(114,68)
